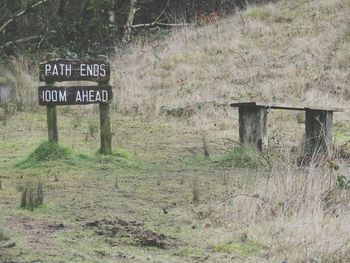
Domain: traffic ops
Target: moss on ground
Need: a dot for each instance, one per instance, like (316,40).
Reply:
(242,249)
(50,154)
(243,157)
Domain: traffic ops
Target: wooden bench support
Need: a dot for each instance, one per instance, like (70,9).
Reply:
(318,125)
(318,131)
(252,126)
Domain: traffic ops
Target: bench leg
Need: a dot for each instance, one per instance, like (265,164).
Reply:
(252,126)
(318,131)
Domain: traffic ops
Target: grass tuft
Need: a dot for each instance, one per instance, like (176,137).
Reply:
(243,157)
(47,151)
(243,249)
(32,195)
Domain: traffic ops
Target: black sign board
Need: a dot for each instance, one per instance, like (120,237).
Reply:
(73,70)
(50,95)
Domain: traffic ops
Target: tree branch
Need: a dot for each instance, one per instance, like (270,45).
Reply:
(162,24)
(20,41)
(20,13)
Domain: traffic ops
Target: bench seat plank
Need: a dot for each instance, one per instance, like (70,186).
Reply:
(284,107)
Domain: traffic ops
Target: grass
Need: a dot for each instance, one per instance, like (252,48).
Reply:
(53,154)
(242,249)
(282,52)
(243,157)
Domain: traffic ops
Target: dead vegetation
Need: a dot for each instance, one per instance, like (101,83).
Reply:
(32,195)
(292,52)
(129,232)
(297,213)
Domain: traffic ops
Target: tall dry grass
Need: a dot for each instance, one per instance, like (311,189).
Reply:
(23,77)
(300,214)
(294,52)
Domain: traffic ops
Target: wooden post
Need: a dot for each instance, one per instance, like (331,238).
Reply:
(106,134)
(318,131)
(105,123)
(252,126)
(51,115)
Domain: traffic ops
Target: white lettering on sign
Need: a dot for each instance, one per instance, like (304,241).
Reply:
(85,70)
(54,95)
(58,70)
(91,96)
(92,70)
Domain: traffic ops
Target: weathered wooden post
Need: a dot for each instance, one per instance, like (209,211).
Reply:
(105,122)
(77,70)
(318,131)
(252,124)
(51,117)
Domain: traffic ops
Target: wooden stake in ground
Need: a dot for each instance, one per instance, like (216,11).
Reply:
(51,113)
(105,123)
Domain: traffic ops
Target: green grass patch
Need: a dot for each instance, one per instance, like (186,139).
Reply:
(243,249)
(47,151)
(242,157)
(260,13)
(190,252)
(50,154)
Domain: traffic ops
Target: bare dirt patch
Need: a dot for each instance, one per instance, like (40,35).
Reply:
(129,232)
(37,233)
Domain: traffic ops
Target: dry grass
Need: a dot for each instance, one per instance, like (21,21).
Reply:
(23,77)
(291,52)
(299,214)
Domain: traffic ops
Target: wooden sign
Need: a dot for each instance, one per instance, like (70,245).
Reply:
(52,95)
(77,70)
(73,70)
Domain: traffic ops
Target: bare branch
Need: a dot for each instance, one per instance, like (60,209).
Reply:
(162,24)
(20,41)
(20,13)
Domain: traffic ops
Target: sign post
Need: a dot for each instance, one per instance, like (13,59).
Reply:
(59,70)
(105,124)
(51,113)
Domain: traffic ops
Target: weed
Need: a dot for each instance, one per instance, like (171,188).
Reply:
(77,120)
(93,129)
(244,249)
(243,157)
(205,145)
(182,180)
(116,185)
(224,179)
(195,191)
(2,236)
(32,195)
(343,182)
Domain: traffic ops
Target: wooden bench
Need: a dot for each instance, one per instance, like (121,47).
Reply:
(318,125)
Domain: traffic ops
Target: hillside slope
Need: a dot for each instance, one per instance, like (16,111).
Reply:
(290,52)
